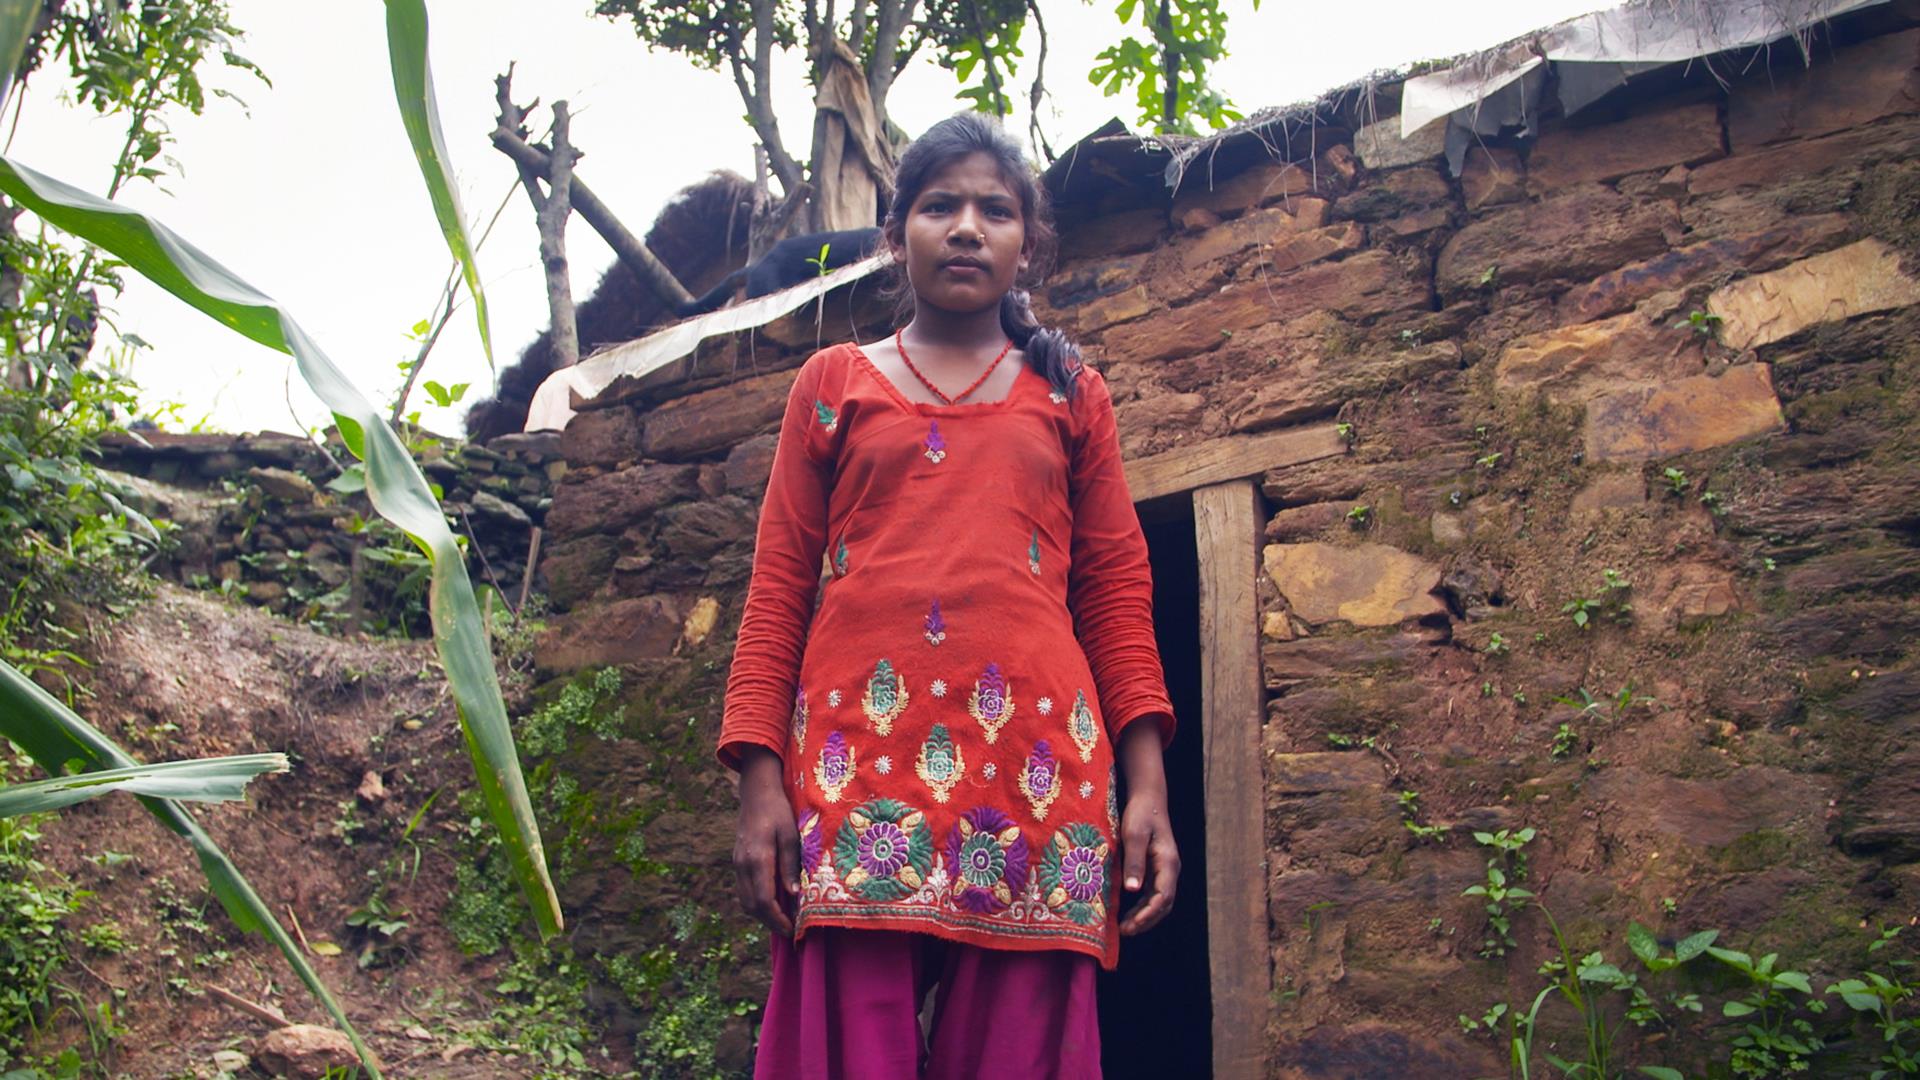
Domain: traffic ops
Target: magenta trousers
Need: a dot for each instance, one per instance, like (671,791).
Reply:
(845,1005)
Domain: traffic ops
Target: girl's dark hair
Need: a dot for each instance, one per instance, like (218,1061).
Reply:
(950,140)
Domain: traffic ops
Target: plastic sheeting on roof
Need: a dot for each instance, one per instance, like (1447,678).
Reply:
(552,404)
(1595,53)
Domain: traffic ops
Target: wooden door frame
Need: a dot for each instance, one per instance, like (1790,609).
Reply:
(1219,480)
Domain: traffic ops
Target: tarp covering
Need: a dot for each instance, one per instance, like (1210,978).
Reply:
(1610,45)
(552,404)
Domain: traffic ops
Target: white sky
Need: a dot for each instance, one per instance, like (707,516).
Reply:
(312,194)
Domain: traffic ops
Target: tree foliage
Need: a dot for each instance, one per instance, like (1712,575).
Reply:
(1169,71)
(983,42)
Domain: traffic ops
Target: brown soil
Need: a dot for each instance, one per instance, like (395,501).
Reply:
(188,676)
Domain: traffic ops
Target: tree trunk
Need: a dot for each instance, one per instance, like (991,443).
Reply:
(564,334)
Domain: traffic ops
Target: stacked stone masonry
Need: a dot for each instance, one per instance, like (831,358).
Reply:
(265,518)
(1658,367)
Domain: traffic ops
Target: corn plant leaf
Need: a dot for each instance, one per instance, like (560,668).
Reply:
(221,779)
(16,26)
(55,736)
(413,88)
(395,486)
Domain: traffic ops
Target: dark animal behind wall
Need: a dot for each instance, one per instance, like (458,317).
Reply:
(790,262)
(699,235)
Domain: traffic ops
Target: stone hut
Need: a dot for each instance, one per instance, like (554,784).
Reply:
(1546,476)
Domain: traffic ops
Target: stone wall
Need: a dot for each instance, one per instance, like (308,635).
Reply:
(263,518)
(1623,550)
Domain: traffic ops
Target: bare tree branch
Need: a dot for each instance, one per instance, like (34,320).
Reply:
(1171,60)
(1039,91)
(550,213)
(891,22)
(443,310)
(755,94)
(630,249)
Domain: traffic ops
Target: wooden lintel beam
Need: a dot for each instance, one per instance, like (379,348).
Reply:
(1235,457)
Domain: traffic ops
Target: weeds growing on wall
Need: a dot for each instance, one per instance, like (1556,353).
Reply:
(1777,1024)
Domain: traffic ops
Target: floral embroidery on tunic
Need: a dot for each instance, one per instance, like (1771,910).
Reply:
(941,763)
(885,698)
(1033,552)
(800,721)
(883,765)
(1081,727)
(833,699)
(884,850)
(989,857)
(1045,705)
(936,446)
(1086,789)
(840,558)
(827,417)
(989,770)
(812,844)
(834,771)
(1073,874)
(936,626)
(1040,780)
(992,702)
(1113,798)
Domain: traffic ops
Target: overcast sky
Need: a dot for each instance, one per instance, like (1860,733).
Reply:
(311,193)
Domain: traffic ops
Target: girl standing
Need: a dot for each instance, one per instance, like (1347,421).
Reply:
(930,761)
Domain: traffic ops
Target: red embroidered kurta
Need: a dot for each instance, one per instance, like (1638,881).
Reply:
(946,716)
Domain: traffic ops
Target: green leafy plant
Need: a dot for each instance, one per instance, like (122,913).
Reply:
(1359,515)
(1676,479)
(444,396)
(395,485)
(1611,601)
(1566,739)
(1879,997)
(53,735)
(1700,322)
(1773,1040)
(1497,644)
(819,262)
(1169,74)
(1498,890)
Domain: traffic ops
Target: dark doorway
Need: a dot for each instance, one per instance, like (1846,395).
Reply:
(1156,1011)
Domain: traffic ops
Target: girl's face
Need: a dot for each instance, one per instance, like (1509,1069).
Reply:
(965,237)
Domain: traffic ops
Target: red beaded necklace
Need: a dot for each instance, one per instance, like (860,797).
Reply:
(900,343)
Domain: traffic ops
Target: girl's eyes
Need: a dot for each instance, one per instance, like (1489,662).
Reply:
(998,212)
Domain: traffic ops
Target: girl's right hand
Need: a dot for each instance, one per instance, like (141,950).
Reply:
(766,849)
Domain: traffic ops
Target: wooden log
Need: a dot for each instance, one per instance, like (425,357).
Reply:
(1226,521)
(1232,458)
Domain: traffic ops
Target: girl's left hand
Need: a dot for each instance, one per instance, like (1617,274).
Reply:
(1150,859)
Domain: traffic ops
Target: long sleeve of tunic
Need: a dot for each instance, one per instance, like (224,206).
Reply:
(946,712)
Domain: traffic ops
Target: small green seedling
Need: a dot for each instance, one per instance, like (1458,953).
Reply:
(1565,740)
(1700,322)
(819,262)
